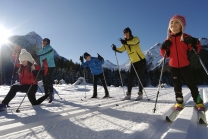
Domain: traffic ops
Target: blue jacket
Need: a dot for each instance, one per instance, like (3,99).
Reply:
(95,65)
(47,52)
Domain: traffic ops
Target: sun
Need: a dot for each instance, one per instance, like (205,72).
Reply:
(4,35)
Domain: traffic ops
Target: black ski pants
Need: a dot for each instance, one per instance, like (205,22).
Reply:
(186,73)
(140,68)
(47,81)
(95,79)
(24,88)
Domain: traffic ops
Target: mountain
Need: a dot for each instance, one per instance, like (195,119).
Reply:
(32,42)
(204,43)
(107,64)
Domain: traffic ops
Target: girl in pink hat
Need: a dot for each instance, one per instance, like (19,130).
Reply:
(176,46)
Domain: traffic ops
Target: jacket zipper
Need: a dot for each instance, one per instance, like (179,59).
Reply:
(22,75)
(177,52)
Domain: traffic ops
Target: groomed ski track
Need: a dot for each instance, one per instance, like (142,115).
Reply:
(103,118)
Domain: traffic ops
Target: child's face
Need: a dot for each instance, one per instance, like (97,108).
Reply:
(88,58)
(24,63)
(175,26)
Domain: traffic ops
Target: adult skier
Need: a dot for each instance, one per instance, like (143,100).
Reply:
(131,44)
(47,55)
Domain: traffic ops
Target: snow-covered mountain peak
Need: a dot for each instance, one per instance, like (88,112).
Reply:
(153,56)
(204,43)
(109,65)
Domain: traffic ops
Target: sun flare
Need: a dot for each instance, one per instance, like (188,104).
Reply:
(4,34)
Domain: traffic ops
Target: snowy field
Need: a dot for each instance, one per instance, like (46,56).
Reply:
(74,117)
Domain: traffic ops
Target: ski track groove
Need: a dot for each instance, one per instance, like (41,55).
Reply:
(196,130)
(163,125)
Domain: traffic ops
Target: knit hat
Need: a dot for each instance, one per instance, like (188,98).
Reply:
(181,20)
(26,56)
(47,39)
(127,30)
(86,55)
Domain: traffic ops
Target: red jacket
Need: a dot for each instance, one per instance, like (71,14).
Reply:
(178,51)
(25,77)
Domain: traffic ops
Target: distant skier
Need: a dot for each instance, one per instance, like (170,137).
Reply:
(95,65)
(176,46)
(47,55)
(131,44)
(27,72)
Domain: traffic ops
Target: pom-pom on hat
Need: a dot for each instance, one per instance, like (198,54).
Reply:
(26,56)
(181,20)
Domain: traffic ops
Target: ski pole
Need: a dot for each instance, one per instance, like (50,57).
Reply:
(104,76)
(85,83)
(28,91)
(54,89)
(58,94)
(201,61)
(40,89)
(13,70)
(137,75)
(159,86)
(105,80)
(119,70)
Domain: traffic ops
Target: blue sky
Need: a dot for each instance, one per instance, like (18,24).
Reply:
(78,26)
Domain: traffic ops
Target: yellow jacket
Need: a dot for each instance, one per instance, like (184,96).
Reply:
(133,49)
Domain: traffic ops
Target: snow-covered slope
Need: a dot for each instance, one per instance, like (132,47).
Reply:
(111,118)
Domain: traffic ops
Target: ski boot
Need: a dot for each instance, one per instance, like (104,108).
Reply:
(106,95)
(199,103)
(94,95)
(128,96)
(140,96)
(3,107)
(179,104)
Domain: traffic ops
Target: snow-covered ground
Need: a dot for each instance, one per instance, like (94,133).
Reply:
(73,118)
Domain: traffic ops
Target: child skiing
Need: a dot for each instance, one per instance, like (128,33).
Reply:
(176,46)
(27,73)
(47,55)
(131,44)
(95,65)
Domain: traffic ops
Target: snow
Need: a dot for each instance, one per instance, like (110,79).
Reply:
(73,118)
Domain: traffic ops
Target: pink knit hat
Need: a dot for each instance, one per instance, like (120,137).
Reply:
(181,20)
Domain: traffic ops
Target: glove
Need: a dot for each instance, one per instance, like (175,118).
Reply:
(123,41)
(81,59)
(191,40)
(100,58)
(45,65)
(166,45)
(113,47)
